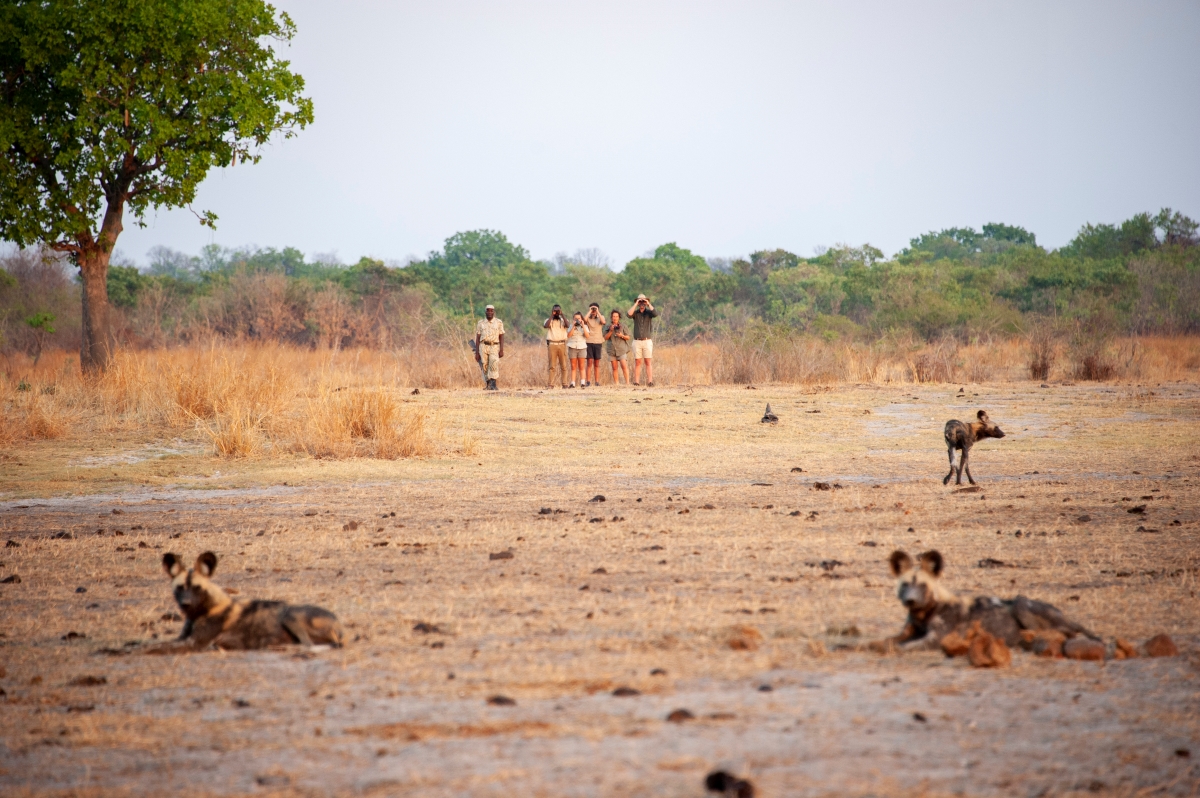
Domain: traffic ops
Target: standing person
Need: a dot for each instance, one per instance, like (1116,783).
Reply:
(489,346)
(643,314)
(556,346)
(595,344)
(577,347)
(616,339)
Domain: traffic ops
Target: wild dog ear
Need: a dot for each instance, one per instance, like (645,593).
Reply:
(931,562)
(899,562)
(172,565)
(206,563)
(982,416)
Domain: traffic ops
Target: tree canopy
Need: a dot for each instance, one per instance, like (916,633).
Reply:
(939,286)
(115,105)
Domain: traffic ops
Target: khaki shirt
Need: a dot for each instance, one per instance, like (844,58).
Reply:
(489,332)
(557,331)
(595,328)
(576,339)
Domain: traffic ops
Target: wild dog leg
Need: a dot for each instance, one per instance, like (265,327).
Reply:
(297,628)
(950,452)
(1035,615)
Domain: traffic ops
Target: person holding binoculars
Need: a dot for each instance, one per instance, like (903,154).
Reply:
(556,346)
(643,314)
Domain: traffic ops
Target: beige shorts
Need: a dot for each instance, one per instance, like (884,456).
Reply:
(643,350)
(577,354)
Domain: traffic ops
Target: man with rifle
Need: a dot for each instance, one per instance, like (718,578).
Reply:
(489,347)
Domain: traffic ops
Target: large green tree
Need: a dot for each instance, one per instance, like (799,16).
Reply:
(115,106)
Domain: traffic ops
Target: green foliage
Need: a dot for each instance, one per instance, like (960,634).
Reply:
(111,102)
(954,282)
(124,282)
(1103,241)
(42,322)
(963,243)
(42,325)
(1004,232)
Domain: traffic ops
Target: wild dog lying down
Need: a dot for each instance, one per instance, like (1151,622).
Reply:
(934,611)
(214,619)
(962,437)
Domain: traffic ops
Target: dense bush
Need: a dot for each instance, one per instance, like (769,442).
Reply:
(1141,276)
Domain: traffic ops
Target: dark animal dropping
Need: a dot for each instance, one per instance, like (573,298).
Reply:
(725,783)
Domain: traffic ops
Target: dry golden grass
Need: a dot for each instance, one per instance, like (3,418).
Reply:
(699,548)
(255,400)
(242,400)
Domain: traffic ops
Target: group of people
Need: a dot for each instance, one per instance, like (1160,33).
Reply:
(578,344)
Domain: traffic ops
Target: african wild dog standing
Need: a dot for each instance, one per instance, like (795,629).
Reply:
(962,437)
(934,611)
(214,619)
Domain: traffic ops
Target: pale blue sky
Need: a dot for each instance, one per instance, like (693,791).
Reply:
(726,127)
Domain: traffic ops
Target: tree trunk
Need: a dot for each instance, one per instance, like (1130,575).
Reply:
(96,348)
(94,255)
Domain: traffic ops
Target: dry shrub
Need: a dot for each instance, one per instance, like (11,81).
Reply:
(1165,358)
(1043,349)
(681,364)
(936,363)
(1094,365)
(252,399)
(761,355)
(44,419)
(863,363)
(215,381)
(34,413)
(341,423)
(235,433)
(1091,347)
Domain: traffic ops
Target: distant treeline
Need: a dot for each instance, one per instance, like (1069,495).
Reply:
(1140,276)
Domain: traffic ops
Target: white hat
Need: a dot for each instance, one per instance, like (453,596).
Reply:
(490,307)
(641,296)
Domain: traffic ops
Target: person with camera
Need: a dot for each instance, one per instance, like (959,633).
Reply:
(595,344)
(556,346)
(577,348)
(616,339)
(643,314)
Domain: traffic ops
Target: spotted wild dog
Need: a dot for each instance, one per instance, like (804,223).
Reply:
(212,618)
(934,611)
(962,437)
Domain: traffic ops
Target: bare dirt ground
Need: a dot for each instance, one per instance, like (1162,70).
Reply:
(705,531)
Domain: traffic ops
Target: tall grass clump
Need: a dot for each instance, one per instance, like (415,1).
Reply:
(358,422)
(1043,350)
(1091,349)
